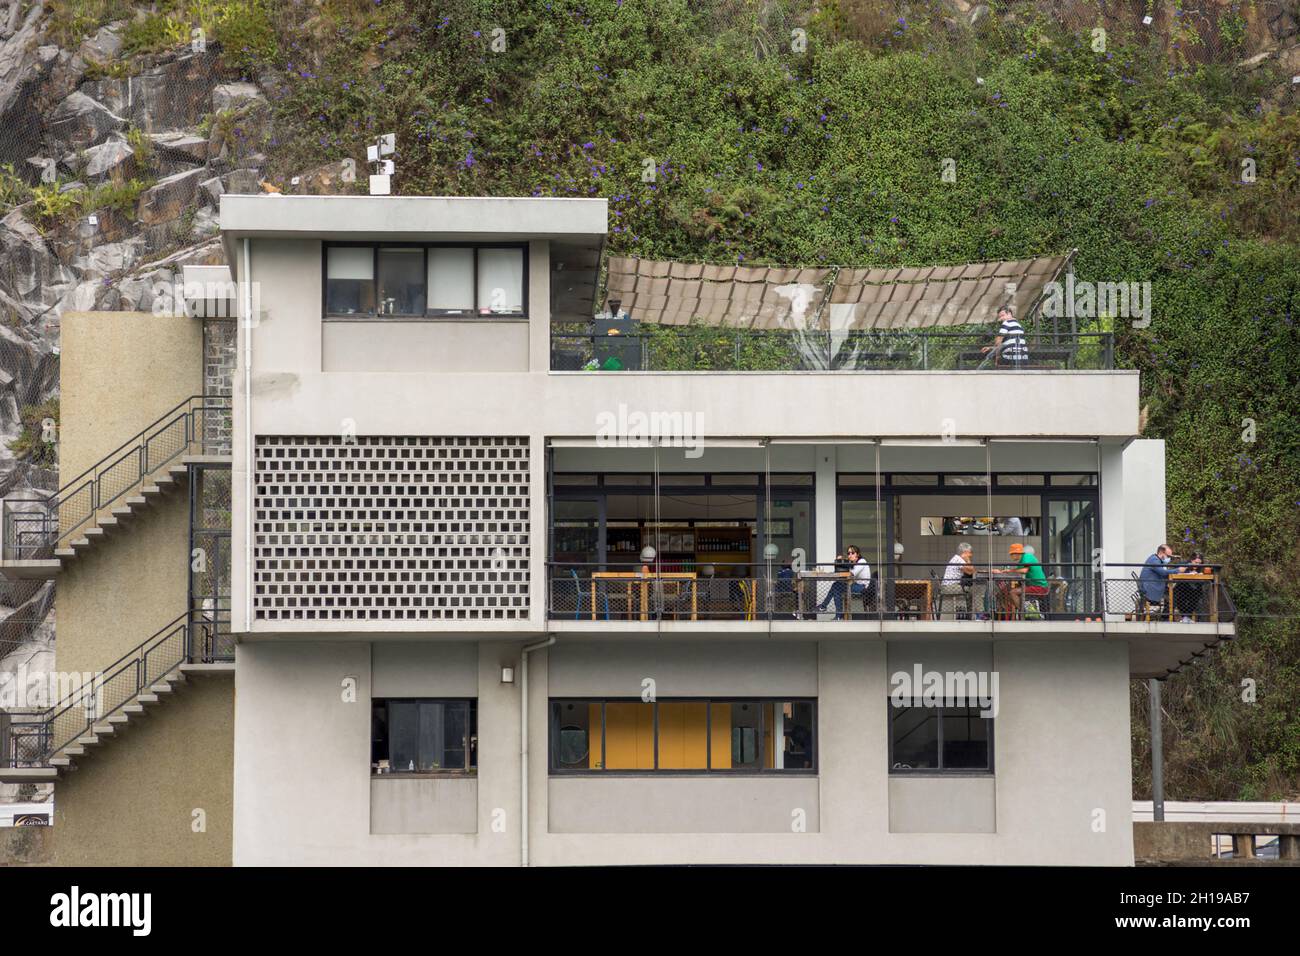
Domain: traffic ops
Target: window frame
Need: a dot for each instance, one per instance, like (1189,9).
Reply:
(376,316)
(552,739)
(939,771)
(471,741)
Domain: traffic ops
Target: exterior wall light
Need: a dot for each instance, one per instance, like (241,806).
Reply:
(507,675)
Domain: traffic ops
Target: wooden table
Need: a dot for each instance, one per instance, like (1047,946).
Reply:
(1015,596)
(846,577)
(919,587)
(632,578)
(1200,578)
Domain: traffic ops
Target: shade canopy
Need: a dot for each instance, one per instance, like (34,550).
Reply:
(830,298)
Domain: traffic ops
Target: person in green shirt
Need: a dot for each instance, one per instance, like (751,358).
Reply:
(1035,585)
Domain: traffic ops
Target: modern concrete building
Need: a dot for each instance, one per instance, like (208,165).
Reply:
(507,584)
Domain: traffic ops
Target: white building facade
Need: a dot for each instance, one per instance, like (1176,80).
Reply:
(494,609)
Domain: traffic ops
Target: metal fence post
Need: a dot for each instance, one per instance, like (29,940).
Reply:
(1157,753)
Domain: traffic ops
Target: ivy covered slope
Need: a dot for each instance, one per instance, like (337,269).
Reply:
(765,149)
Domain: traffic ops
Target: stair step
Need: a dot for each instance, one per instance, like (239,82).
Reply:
(133,710)
(123,512)
(146,698)
(119,719)
(62,553)
(89,740)
(81,544)
(73,750)
(135,502)
(150,491)
(105,729)
(162,687)
(108,523)
(61,762)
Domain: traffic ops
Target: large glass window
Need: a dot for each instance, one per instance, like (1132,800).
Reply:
(425,280)
(451,281)
(349,280)
(501,281)
(939,739)
(683,735)
(401,281)
(423,736)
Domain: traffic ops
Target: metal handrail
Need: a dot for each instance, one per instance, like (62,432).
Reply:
(34,530)
(930,349)
(190,638)
(762,591)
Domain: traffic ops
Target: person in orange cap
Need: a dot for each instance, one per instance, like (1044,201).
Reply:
(1035,579)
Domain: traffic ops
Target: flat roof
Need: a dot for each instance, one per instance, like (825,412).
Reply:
(416,218)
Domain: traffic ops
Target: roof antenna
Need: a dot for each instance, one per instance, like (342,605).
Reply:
(381,177)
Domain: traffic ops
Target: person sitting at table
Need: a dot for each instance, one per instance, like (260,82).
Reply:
(1190,595)
(1153,582)
(957,577)
(1009,348)
(856,565)
(1034,578)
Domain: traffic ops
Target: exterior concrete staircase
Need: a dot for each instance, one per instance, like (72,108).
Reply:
(141,499)
(40,536)
(37,747)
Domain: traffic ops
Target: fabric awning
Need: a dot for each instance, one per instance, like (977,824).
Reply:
(827,299)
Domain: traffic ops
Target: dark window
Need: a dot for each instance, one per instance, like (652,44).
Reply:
(350,280)
(425,280)
(911,480)
(423,736)
(401,281)
(939,738)
(701,736)
(1073,481)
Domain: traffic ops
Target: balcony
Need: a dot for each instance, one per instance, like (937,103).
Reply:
(664,316)
(799,596)
(701,348)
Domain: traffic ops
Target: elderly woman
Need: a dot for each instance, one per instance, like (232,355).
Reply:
(957,579)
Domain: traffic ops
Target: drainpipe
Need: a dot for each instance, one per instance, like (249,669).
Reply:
(523,745)
(1157,753)
(248,433)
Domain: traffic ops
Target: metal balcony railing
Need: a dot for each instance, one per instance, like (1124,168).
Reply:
(650,348)
(895,592)
(32,528)
(198,636)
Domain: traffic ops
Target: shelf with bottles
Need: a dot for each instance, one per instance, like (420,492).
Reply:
(724,541)
(568,540)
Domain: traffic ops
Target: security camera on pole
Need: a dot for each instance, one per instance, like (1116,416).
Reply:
(381,176)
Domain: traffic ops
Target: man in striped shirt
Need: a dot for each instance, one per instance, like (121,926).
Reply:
(1009,347)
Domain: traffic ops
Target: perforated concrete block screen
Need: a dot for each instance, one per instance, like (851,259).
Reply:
(390,529)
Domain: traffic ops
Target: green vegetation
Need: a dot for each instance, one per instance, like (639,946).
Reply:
(53,205)
(37,443)
(242,29)
(146,157)
(14,190)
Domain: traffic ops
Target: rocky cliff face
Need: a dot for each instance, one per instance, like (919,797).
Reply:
(112,174)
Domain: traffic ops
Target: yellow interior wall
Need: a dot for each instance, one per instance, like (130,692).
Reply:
(721,734)
(683,736)
(629,737)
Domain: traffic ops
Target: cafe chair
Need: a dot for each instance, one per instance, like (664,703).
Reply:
(961,599)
